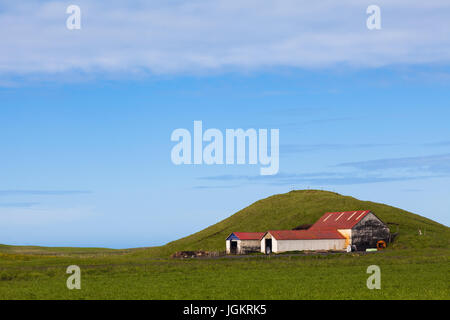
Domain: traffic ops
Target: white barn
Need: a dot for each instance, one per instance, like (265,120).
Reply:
(302,240)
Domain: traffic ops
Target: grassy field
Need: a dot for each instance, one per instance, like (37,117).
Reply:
(407,274)
(415,267)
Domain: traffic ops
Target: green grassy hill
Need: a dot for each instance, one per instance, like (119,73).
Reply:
(282,211)
(289,210)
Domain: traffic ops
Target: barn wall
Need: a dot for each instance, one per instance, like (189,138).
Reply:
(347,233)
(309,245)
(248,246)
(228,246)
(368,231)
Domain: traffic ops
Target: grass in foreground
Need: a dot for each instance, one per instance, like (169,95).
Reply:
(409,274)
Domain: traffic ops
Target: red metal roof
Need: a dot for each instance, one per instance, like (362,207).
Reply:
(306,234)
(325,228)
(339,220)
(249,235)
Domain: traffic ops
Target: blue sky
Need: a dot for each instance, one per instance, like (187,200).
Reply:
(86,126)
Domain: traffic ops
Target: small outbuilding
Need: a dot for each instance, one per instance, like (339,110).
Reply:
(243,242)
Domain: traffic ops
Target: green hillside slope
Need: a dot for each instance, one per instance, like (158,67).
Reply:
(289,210)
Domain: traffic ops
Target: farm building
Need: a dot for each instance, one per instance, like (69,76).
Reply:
(302,240)
(362,229)
(338,231)
(243,242)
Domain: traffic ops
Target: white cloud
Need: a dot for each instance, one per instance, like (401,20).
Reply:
(217,35)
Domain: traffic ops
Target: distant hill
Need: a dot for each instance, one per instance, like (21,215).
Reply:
(301,207)
(282,211)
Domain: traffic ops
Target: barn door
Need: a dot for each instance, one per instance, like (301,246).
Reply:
(268,246)
(233,247)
